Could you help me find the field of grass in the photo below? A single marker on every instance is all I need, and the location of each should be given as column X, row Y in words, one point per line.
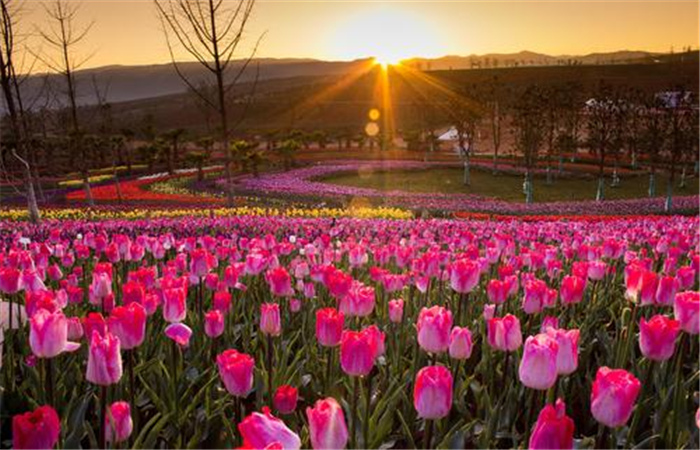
column 505, row 187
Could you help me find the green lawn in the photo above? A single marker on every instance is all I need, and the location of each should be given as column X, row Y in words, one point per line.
column 506, row 187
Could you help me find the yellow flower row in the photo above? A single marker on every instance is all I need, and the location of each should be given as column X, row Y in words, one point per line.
column 79, row 181
column 134, row 214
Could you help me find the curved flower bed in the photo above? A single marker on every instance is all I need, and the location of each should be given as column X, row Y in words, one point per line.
column 303, row 182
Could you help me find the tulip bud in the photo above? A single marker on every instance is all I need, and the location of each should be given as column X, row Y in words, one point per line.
column 118, row 423
column 214, row 323
column 174, row 304
column 571, row 290
column 460, row 343
column 48, row 334
column 567, row 355
column 36, row 429
column 538, row 367
column 554, row 429
column 613, row 395
column 357, row 353
column 128, row 323
column 285, row 399
column 396, row 310
column 270, row 319
column 280, row 282
column 504, row 333
column 327, row 427
column 432, row 393
column 236, row 371
column 329, row 326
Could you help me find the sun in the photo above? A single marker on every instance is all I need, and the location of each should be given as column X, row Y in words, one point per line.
column 387, row 33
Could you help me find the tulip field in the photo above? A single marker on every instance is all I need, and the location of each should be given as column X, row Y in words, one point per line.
column 272, row 331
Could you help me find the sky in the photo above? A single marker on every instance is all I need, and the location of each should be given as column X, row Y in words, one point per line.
column 128, row 32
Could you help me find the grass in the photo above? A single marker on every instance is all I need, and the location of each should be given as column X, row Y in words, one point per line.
column 502, row 186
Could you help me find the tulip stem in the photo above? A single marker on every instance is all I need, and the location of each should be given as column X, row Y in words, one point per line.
column 353, row 407
column 48, row 374
column 428, row 434
column 329, row 365
column 132, row 386
column 269, row 367
column 367, row 410
column 103, row 416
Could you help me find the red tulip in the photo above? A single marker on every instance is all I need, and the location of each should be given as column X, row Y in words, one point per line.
column 657, row 338
column 535, row 292
column 104, row 365
column 571, row 290
column 236, row 371
column 36, row 429
column 280, row 282
column 285, row 399
column 613, row 395
column 180, row 333
column 686, row 309
column 214, row 323
column 666, row 290
column 357, row 353
column 201, row 262
column 270, row 319
column 432, row 393
column 94, row 322
column 338, row 283
column 434, row 327
column 504, row 333
column 329, row 326
column 497, row 291
column 133, row 291
column 48, row 334
column 10, row 281
column 358, row 302
column 376, row 339
column 554, row 429
column 222, row 301
column 538, row 367
column 118, row 423
column 327, row 427
column 265, row 431
column 460, row 343
column 128, row 323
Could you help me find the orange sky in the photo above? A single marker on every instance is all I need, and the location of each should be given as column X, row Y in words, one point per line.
column 128, row 32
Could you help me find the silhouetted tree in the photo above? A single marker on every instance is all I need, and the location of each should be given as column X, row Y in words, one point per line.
column 528, row 126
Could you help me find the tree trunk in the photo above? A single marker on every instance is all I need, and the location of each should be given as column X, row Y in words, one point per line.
column 600, row 192
column 467, row 174
column 652, row 185
column 88, row 191
column 527, row 188
column 668, row 204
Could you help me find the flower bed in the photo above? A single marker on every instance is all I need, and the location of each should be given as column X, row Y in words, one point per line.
column 304, row 182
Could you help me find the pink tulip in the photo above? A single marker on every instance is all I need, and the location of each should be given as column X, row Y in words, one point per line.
column 357, row 353
column 432, row 393
column 285, row 399
column 686, row 310
column 571, row 290
column 270, row 319
column 434, row 325
column 376, row 339
column 222, row 301
column 179, row 333
column 329, row 326
column 567, row 355
column 128, row 323
column 211, row 281
column 534, row 299
column 201, row 262
column 504, row 333
column 40, row 428
column 549, row 322
column 358, row 302
column 686, row 277
column 214, row 323
column 338, row 283
column 295, row 305
column 75, row 328
column 280, row 282
column 538, row 367
column 554, row 429
column 666, row 290
column 489, row 311
column 613, row 395
column 265, row 431
column 48, row 334
column 460, row 343
column 174, row 304
column 236, row 371
column 464, row 275
column 133, row 291
column 657, row 338
column 327, row 427
column 596, row 270
column 100, row 288
column 104, row 365
column 118, row 423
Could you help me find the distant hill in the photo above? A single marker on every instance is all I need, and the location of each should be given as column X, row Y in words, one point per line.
column 128, row 83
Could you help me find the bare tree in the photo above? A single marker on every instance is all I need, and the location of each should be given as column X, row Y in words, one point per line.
column 13, row 101
column 682, row 117
column 496, row 117
column 211, row 33
column 528, row 126
column 62, row 36
column 466, row 115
